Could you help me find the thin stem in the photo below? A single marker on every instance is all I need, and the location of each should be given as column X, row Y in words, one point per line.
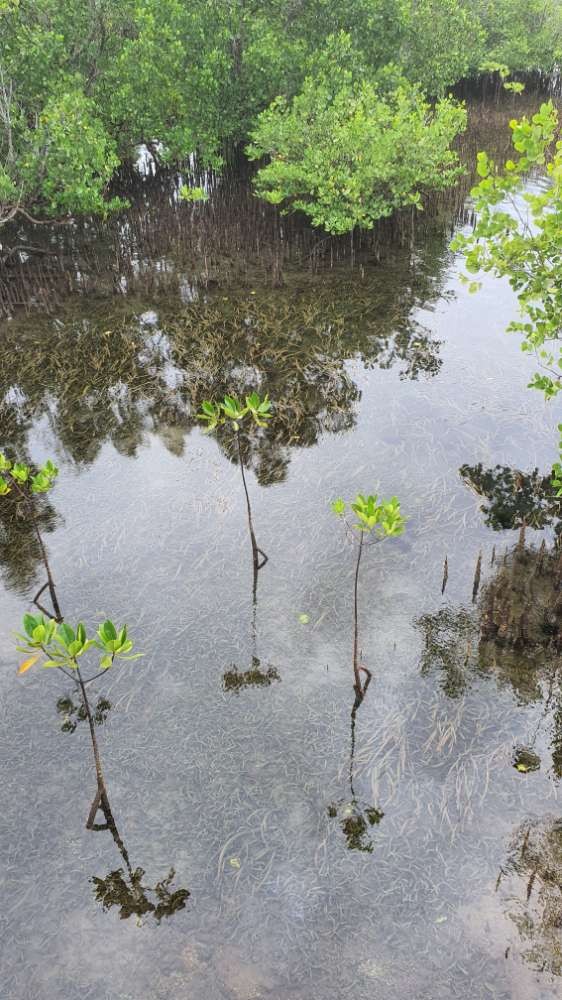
column 95, row 677
column 359, row 696
column 50, row 580
column 357, row 685
column 102, row 796
column 28, row 500
column 352, row 754
column 65, row 672
column 256, row 551
column 111, row 825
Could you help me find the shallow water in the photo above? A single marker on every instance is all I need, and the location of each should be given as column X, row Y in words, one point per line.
column 388, row 379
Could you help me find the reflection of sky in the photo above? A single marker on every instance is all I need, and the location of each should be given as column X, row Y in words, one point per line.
column 233, row 790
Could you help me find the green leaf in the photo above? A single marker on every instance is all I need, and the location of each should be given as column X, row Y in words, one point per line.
column 40, row 483
column 338, row 507
column 20, row 472
column 29, row 623
column 109, row 630
column 39, row 633
column 67, row 634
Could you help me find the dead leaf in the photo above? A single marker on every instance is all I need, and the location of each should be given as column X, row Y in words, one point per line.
column 25, row 666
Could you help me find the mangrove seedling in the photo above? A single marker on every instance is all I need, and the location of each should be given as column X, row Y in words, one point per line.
column 231, row 411
column 26, row 483
column 377, row 520
column 60, row 646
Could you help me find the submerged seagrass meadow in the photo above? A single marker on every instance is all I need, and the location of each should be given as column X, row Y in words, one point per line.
column 334, row 773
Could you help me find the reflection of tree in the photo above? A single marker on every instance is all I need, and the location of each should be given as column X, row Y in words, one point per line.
column 444, row 634
column 119, row 378
column 124, row 887
column 532, row 881
column 517, row 628
column 522, row 604
column 514, row 633
column 514, row 498
column 296, row 349
column 356, row 818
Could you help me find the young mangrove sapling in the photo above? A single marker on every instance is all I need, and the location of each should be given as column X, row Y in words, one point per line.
column 47, row 635
column 231, row 410
column 377, row 521
column 26, row 484
column 62, row 647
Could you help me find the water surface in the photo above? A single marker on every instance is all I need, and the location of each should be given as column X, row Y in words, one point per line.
column 386, row 378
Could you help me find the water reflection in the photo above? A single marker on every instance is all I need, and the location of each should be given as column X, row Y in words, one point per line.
column 448, row 636
column 256, row 675
column 118, row 378
column 21, row 557
column 71, row 713
column 514, row 631
column 514, row 498
column 120, row 887
column 530, row 882
column 123, row 888
column 356, row 818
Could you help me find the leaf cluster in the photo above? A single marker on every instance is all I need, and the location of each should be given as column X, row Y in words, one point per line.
column 63, row 645
column 383, row 518
column 231, row 409
column 348, row 155
column 518, row 235
column 83, row 85
column 24, row 478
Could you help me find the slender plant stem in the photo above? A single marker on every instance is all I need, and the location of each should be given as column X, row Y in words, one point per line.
column 352, row 753
column 256, row 551
column 51, row 583
column 111, row 825
column 89, row 680
column 356, row 667
column 359, row 696
column 28, row 500
column 102, row 796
